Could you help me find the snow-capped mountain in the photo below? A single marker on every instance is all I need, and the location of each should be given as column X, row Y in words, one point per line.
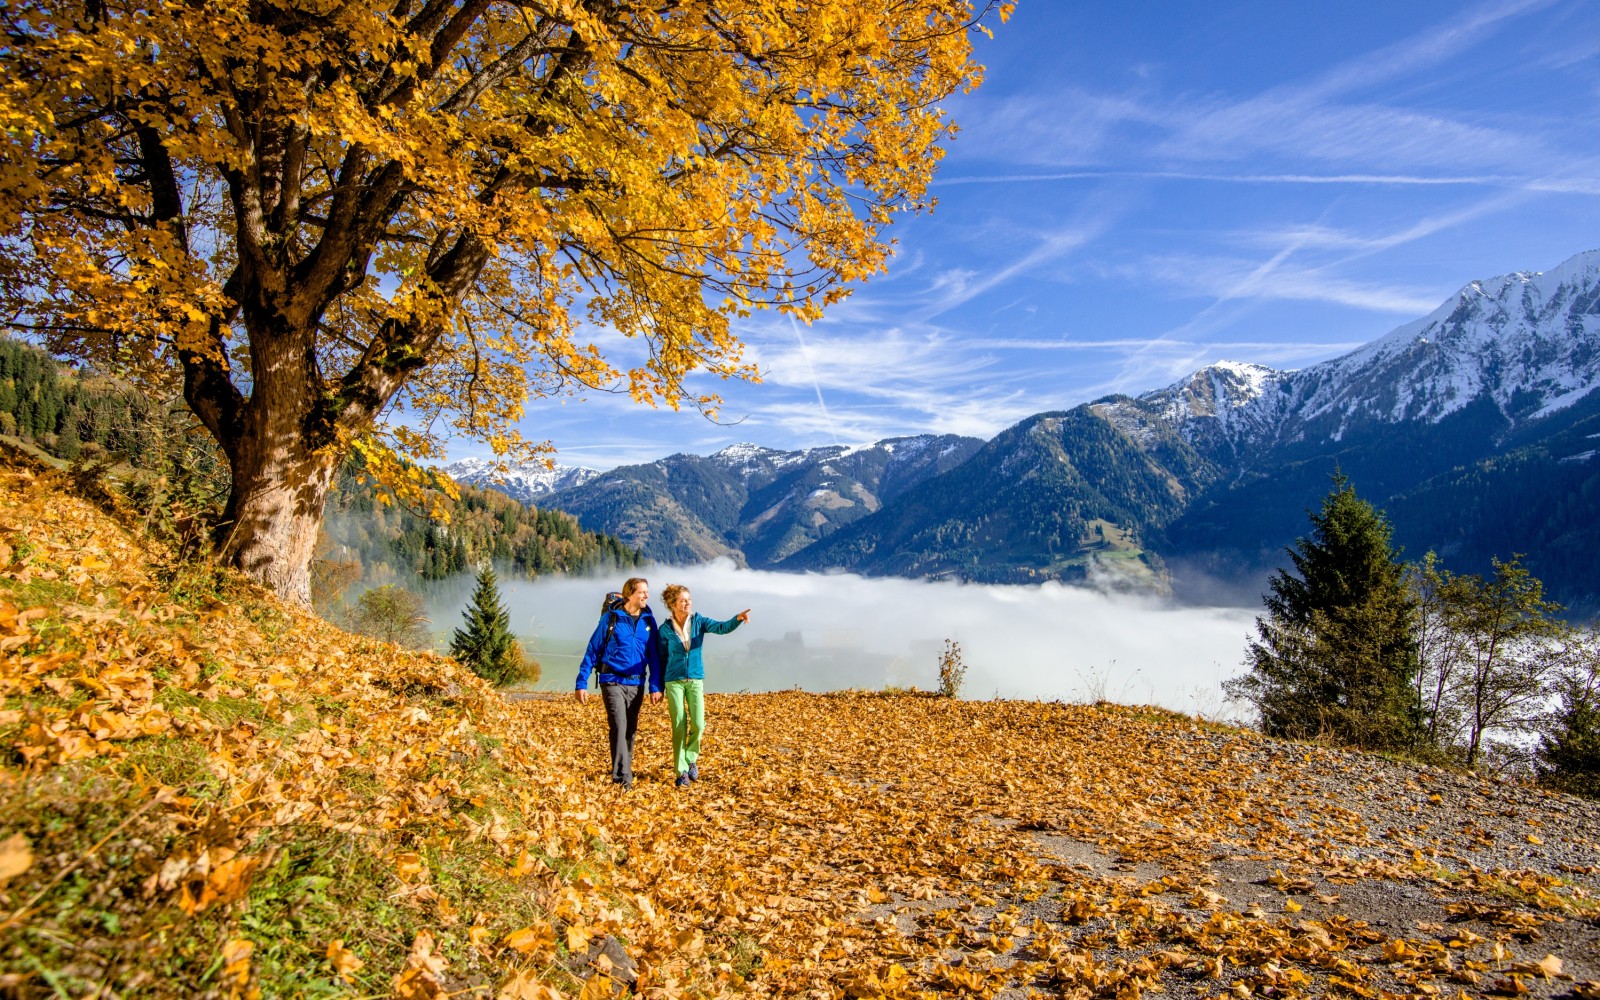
column 526, row 483
column 1215, row 408
column 1526, row 344
column 752, row 503
column 1529, row 342
column 1474, row 427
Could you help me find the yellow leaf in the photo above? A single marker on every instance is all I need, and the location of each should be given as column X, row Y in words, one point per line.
column 597, row 988
column 577, row 937
column 343, row 959
column 526, row 985
column 690, row 941
column 530, row 939
column 236, row 961
column 409, row 865
column 16, row 857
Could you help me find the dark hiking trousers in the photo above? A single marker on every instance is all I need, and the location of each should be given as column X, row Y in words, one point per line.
column 623, row 702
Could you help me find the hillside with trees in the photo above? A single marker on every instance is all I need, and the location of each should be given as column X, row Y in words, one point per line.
column 161, row 461
column 1046, row 499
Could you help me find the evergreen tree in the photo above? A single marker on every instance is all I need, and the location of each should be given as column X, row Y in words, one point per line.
column 1336, row 657
column 485, row 644
column 1569, row 750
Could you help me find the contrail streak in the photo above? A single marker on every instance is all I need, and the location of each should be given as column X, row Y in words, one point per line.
column 811, row 373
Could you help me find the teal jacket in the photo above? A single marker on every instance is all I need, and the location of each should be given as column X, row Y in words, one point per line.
column 685, row 664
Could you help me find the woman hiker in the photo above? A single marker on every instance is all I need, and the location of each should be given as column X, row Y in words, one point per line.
column 685, row 675
column 625, row 654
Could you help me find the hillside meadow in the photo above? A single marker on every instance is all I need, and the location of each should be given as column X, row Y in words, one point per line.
column 204, row 792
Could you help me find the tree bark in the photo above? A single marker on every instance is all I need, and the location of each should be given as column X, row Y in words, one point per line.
column 276, row 511
column 280, row 448
column 280, row 483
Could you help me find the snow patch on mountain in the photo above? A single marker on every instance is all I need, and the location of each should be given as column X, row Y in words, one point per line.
column 1529, row 342
column 522, row 482
column 746, row 460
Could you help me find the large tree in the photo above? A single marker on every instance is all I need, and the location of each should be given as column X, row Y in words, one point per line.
column 313, row 213
column 1335, row 654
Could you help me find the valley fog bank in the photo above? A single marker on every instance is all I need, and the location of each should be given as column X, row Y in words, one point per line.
column 825, row 632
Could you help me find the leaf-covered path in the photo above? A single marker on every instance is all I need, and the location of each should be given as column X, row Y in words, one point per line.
column 889, row 844
column 205, row 793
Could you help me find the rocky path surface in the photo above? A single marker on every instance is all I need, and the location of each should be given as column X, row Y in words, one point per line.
column 867, row 845
column 1452, row 885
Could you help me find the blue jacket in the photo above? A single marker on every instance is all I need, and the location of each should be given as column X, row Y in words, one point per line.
column 631, row 657
column 685, row 664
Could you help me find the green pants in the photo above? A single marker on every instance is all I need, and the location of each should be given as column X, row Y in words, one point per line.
column 686, row 707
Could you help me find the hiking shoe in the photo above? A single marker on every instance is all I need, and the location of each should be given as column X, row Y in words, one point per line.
column 683, row 780
column 694, row 772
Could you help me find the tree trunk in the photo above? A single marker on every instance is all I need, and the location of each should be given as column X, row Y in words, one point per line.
column 275, row 511
column 282, row 467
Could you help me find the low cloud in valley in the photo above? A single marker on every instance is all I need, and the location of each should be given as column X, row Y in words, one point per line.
column 822, row 632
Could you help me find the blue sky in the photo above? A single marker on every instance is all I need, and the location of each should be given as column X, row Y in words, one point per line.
column 1141, row 189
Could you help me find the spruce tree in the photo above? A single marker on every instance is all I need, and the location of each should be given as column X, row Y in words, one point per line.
column 485, row 644
column 1335, row 656
column 1568, row 757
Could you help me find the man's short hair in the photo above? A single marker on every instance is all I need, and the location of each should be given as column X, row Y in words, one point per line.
column 630, row 584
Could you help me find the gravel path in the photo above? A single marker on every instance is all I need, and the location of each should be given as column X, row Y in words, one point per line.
column 1437, row 884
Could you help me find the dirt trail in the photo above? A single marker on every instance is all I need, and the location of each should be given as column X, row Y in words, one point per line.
column 1449, row 901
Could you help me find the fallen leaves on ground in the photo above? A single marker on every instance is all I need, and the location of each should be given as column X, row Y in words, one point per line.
column 211, row 793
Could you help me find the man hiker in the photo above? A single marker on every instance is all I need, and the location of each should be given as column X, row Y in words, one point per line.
column 623, row 653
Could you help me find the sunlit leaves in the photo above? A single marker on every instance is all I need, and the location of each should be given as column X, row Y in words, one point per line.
column 926, row 844
column 16, row 857
column 476, row 191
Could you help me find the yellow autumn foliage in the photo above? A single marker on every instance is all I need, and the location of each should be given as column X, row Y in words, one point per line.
column 208, row 792
column 309, row 213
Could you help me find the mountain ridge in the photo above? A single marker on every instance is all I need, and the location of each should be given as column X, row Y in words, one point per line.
column 753, row 504
column 1213, row 471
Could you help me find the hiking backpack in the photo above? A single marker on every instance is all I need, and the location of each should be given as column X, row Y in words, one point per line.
column 611, row 603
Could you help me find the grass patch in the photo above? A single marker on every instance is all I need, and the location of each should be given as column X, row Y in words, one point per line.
column 744, row 955
column 303, row 901
column 36, row 593
column 220, row 711
column 171, row 763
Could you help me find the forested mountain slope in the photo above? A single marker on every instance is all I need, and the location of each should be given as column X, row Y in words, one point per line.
column 168, row 466
column 1050, row 498
column 755, row 505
